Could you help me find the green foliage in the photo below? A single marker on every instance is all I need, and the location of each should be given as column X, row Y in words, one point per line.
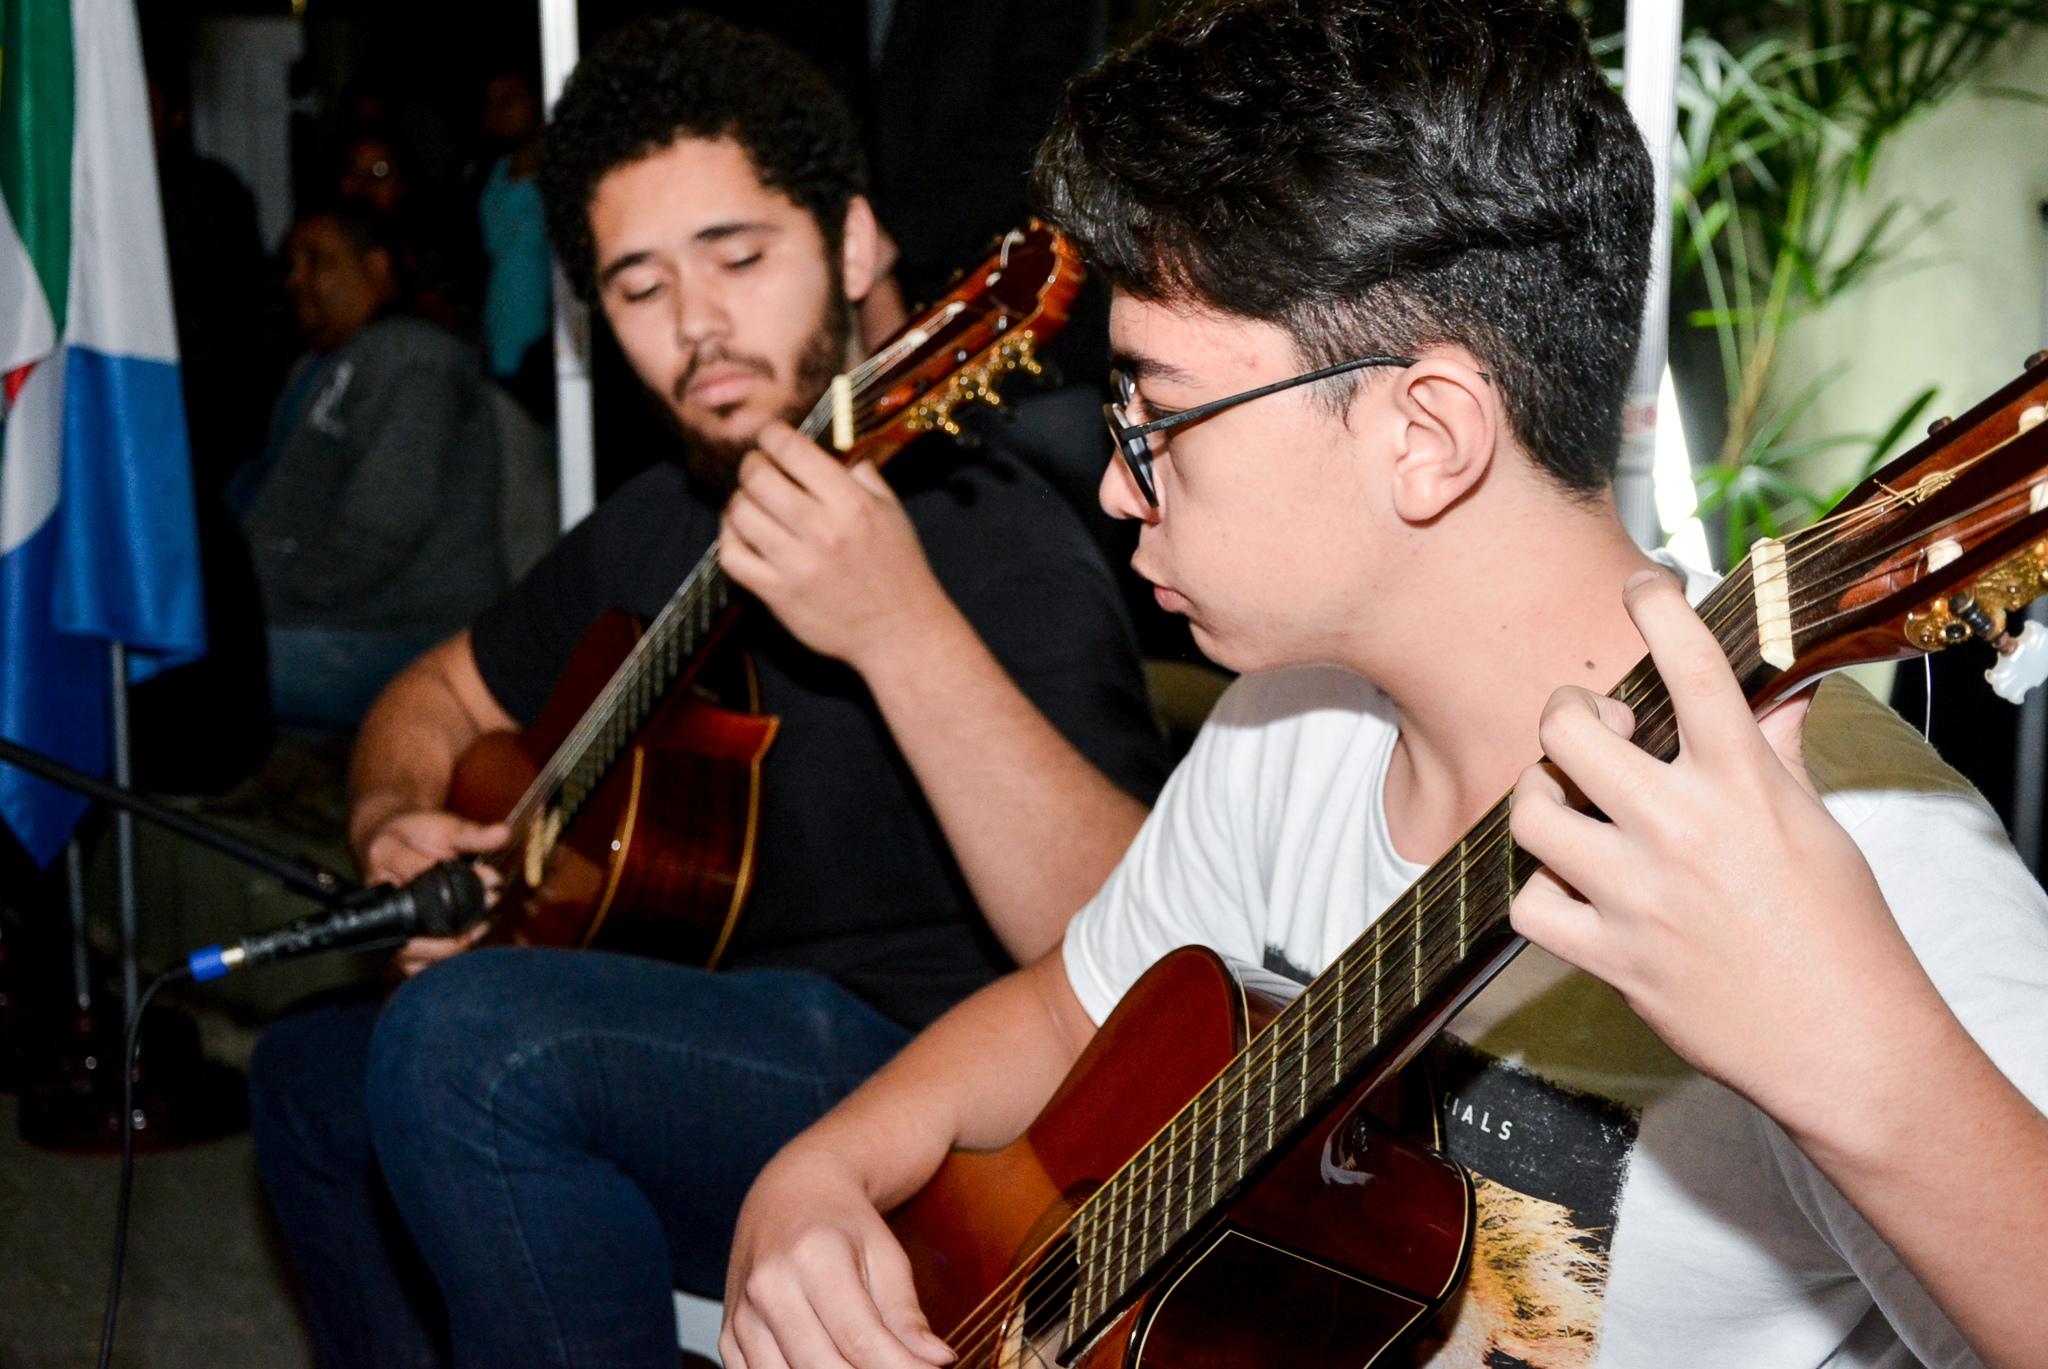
column 1777, row 137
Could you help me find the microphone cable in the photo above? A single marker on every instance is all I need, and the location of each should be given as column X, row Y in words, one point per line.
column 131, row 1047
column 121, row 1204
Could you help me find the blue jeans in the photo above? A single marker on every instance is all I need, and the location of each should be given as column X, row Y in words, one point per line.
column 567, row 1135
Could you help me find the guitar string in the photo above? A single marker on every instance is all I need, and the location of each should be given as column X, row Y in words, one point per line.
column 1263, row 1051
column 1311, row 1034
column 1319, row 1018
column 1217, row 1147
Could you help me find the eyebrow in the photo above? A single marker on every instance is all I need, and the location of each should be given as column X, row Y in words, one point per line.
column 1139, row 366
column 704, row 237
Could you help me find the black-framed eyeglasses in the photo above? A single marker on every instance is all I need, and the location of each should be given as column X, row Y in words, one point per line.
column 1133, row 440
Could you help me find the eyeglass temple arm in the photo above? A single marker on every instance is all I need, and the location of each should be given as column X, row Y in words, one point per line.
column 1217, row 405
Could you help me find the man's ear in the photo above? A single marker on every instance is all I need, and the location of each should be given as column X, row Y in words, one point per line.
column 1449, row 432
column 866, row 252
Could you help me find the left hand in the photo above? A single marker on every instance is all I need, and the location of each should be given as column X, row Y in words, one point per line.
column 1723, row 901
column 827, row 547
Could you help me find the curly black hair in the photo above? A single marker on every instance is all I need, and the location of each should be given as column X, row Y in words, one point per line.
column 1379, row 176
column 657, row 79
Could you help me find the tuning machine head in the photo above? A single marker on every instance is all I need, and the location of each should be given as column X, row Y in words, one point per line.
column 1981, row 610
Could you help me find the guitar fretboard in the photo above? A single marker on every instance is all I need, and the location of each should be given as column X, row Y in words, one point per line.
column 668, row 646
column 1361, row 1019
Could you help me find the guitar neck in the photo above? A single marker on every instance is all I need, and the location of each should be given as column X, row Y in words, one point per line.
column 1363, row 1018
column 671, row 646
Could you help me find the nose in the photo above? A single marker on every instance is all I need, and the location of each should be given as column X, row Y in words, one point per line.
column 701, row 315
column 1119, row 494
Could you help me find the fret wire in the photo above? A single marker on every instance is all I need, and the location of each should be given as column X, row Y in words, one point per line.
column 1462, row 910
column 1266, row 1072
column 1084, row 1268
column 1378, row 929
column 1117, row 1270
column 1301, row 1086
column 1415, row 929
column 1145, row 1223
column 1215, row 1130
column 1133, row 1261
column 1344, row 972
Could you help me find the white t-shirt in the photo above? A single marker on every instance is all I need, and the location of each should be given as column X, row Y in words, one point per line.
column 1634, row 1213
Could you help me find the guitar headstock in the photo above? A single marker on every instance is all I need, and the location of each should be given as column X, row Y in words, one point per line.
column 992, row 322
column 1937, row 548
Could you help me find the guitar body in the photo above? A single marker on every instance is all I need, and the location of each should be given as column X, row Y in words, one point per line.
column 659, row 859
column 1337, row 1256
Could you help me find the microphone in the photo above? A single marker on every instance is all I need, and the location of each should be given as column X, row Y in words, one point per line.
column 440, row 902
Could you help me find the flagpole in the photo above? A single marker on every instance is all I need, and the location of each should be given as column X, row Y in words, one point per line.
column 124, row 823
column 81, row 964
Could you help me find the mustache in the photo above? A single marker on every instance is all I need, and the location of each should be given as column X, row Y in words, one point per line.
column 713, row 355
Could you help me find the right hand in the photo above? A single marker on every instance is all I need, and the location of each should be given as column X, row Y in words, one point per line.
column 818, row 1281
column 406, row 846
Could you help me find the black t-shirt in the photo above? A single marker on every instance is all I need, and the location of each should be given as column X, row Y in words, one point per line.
column 854, row 879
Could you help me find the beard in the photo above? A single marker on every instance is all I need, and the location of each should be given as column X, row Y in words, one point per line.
column 715, row 460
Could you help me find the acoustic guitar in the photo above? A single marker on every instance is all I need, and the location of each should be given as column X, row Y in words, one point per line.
column 634, row 798
column 1196, row 1191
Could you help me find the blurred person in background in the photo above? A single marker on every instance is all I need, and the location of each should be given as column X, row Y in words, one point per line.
column 372, row 512
column 517, row 284
column 434, row 247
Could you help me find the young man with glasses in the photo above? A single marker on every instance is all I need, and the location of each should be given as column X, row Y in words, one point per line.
column 1378, row 273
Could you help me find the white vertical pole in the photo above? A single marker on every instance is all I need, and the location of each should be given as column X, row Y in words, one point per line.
column 575, row 438
column 2030, row 755
column 1650, row 85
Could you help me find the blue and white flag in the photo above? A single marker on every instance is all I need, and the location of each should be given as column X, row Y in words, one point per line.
column 98, row 541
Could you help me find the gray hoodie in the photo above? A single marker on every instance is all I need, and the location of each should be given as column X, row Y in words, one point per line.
column 380, row 510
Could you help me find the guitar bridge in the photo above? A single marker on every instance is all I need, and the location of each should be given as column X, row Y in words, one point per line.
column 540, row 847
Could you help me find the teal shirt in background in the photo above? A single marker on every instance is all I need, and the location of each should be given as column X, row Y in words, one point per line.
column 517, row 291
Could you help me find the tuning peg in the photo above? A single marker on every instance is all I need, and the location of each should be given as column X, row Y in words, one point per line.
column 2037, row 359
column 2022, row 667
column 1937, row 425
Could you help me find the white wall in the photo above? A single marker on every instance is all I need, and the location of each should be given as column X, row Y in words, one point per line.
column 1968, row 317
column 1971, row 307
column 241, row 108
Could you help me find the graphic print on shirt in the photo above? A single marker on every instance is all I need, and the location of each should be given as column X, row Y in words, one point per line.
column 1548, row 1165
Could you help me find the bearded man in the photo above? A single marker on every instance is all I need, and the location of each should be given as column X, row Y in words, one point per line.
column 965, row 751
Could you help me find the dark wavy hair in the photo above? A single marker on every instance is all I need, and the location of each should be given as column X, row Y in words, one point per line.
column 1379, row 176
column 689, row 75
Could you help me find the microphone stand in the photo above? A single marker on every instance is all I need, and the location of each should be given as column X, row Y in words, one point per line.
column 301, row 877
column 77, row 1106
